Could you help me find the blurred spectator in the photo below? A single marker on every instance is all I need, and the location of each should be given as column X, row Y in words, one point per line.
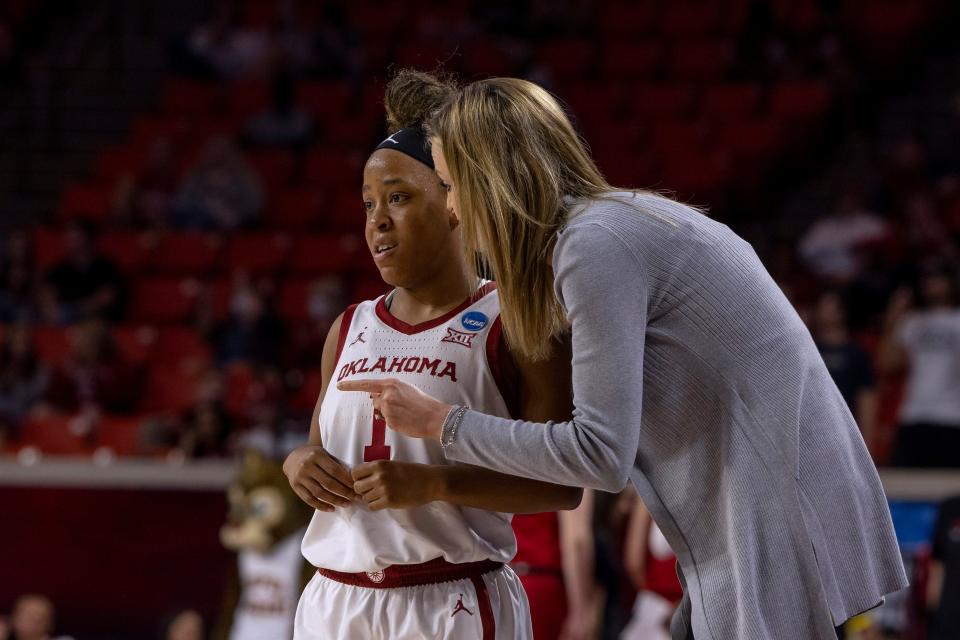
column 23, row 379
column 652, row 567
column 221, row 192
column 943, row 584
column 252, row 332
column 926, row 343
column 84, row 284
column 830, row 246
column 205, row 429
column 325, row 301
column 32, row 619
column 94, row 377
column 849, row 363
column 220, row 48
column 143, row 200
column 338, row 51
column 18, row 278
column 185, row 625
column 284, row 123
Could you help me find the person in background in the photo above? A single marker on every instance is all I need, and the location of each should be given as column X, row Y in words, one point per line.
column 830, row 246
column 84, row 284
column 23, row 379
column 925, row 342
column 284, row 123
column 18, row 278
column 943, row 585
column 32, row 619
column 185, row 625
column 848, row 362
column 251, row 332
column 220, row 192
column 94, row 377
column 142, row 200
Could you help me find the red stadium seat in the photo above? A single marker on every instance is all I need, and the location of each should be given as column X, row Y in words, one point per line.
column 298, row 209
column 120, row 434
column 55, row 435
column 484, row 58
column 423, row 54
column 293, row 299
column 114, row 162
column 801, row 100
column 249, row 97
column 334, row 170
column 696, row 177
column 731, row 100
column 661, row 101
column 274, row 166
column 681, row 19
column 673, row 136
column 752, row 138
column 327, row 254
column 593, row 101
column 327, row 99
column 170, row 389
column 631, row 60
column 262, row 253
column 189, row 97
column 181, row 346
column 49, row 247
column 129, row 250
column 186, row 254
column 627, row 19
column 136, row 343
column 700, row 60
column 569, row 59
column 306, row 396
column 83, row 201
column 163, row 301
column 52, row 343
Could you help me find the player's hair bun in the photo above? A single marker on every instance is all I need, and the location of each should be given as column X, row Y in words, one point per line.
column 412, row 96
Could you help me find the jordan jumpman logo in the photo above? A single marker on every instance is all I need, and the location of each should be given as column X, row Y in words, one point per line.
column 457, row 609
column 359, row 338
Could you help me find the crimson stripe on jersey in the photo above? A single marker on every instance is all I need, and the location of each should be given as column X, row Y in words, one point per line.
column 344, row 330
column 504, row 368
column 395, row 323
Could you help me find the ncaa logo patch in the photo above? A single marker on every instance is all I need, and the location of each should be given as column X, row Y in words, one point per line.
column 474, row 321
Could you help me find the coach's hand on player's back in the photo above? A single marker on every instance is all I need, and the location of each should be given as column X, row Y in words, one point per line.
column 322, row 481
column 405, row 408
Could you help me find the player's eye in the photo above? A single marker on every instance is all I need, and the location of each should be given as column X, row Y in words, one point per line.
column 396, row 198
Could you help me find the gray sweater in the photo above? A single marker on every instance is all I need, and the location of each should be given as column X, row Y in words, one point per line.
column 694, row 377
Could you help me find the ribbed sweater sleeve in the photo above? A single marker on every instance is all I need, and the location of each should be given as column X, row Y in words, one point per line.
column 603, row 288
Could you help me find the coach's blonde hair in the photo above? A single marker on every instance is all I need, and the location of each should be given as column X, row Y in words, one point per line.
column 514, row 156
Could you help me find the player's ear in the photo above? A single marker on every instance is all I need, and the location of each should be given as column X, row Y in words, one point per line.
column 453, row 219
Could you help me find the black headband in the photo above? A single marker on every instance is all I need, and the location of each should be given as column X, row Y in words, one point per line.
column 411, row 141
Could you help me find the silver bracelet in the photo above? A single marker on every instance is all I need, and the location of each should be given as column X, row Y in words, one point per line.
column 451, row 424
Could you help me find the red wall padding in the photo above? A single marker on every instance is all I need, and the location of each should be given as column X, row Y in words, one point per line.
column 114, row 562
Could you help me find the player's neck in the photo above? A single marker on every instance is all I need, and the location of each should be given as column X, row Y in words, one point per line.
column 431, row 300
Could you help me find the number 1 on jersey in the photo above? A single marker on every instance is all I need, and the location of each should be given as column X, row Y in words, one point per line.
column 377, row 449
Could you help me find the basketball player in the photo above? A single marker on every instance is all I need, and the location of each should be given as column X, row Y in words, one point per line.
column 406, row 545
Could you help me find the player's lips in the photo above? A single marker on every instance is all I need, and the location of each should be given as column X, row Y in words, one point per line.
column 382, row 250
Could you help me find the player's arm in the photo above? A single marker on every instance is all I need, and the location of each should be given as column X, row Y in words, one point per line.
column 577, row 565
column 315, row 476
column 545, row 394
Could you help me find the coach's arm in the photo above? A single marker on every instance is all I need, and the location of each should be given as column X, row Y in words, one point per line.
column 545, row 394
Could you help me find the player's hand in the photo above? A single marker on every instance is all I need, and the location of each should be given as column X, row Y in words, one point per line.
column 405, row 408
column 387, row 484
column 319, row 479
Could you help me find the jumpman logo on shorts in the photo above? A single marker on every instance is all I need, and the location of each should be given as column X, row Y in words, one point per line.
column 457, row 609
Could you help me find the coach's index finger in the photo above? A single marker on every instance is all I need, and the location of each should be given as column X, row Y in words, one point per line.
column 366, row 385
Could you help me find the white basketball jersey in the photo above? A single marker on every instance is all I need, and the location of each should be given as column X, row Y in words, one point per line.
column 452, row 358
column 270, row 586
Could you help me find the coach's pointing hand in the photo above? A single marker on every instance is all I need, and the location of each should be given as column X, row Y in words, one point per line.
column 319, row 479
column 405, row 408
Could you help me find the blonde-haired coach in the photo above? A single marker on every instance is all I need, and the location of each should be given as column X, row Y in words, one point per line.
column 693, row 377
